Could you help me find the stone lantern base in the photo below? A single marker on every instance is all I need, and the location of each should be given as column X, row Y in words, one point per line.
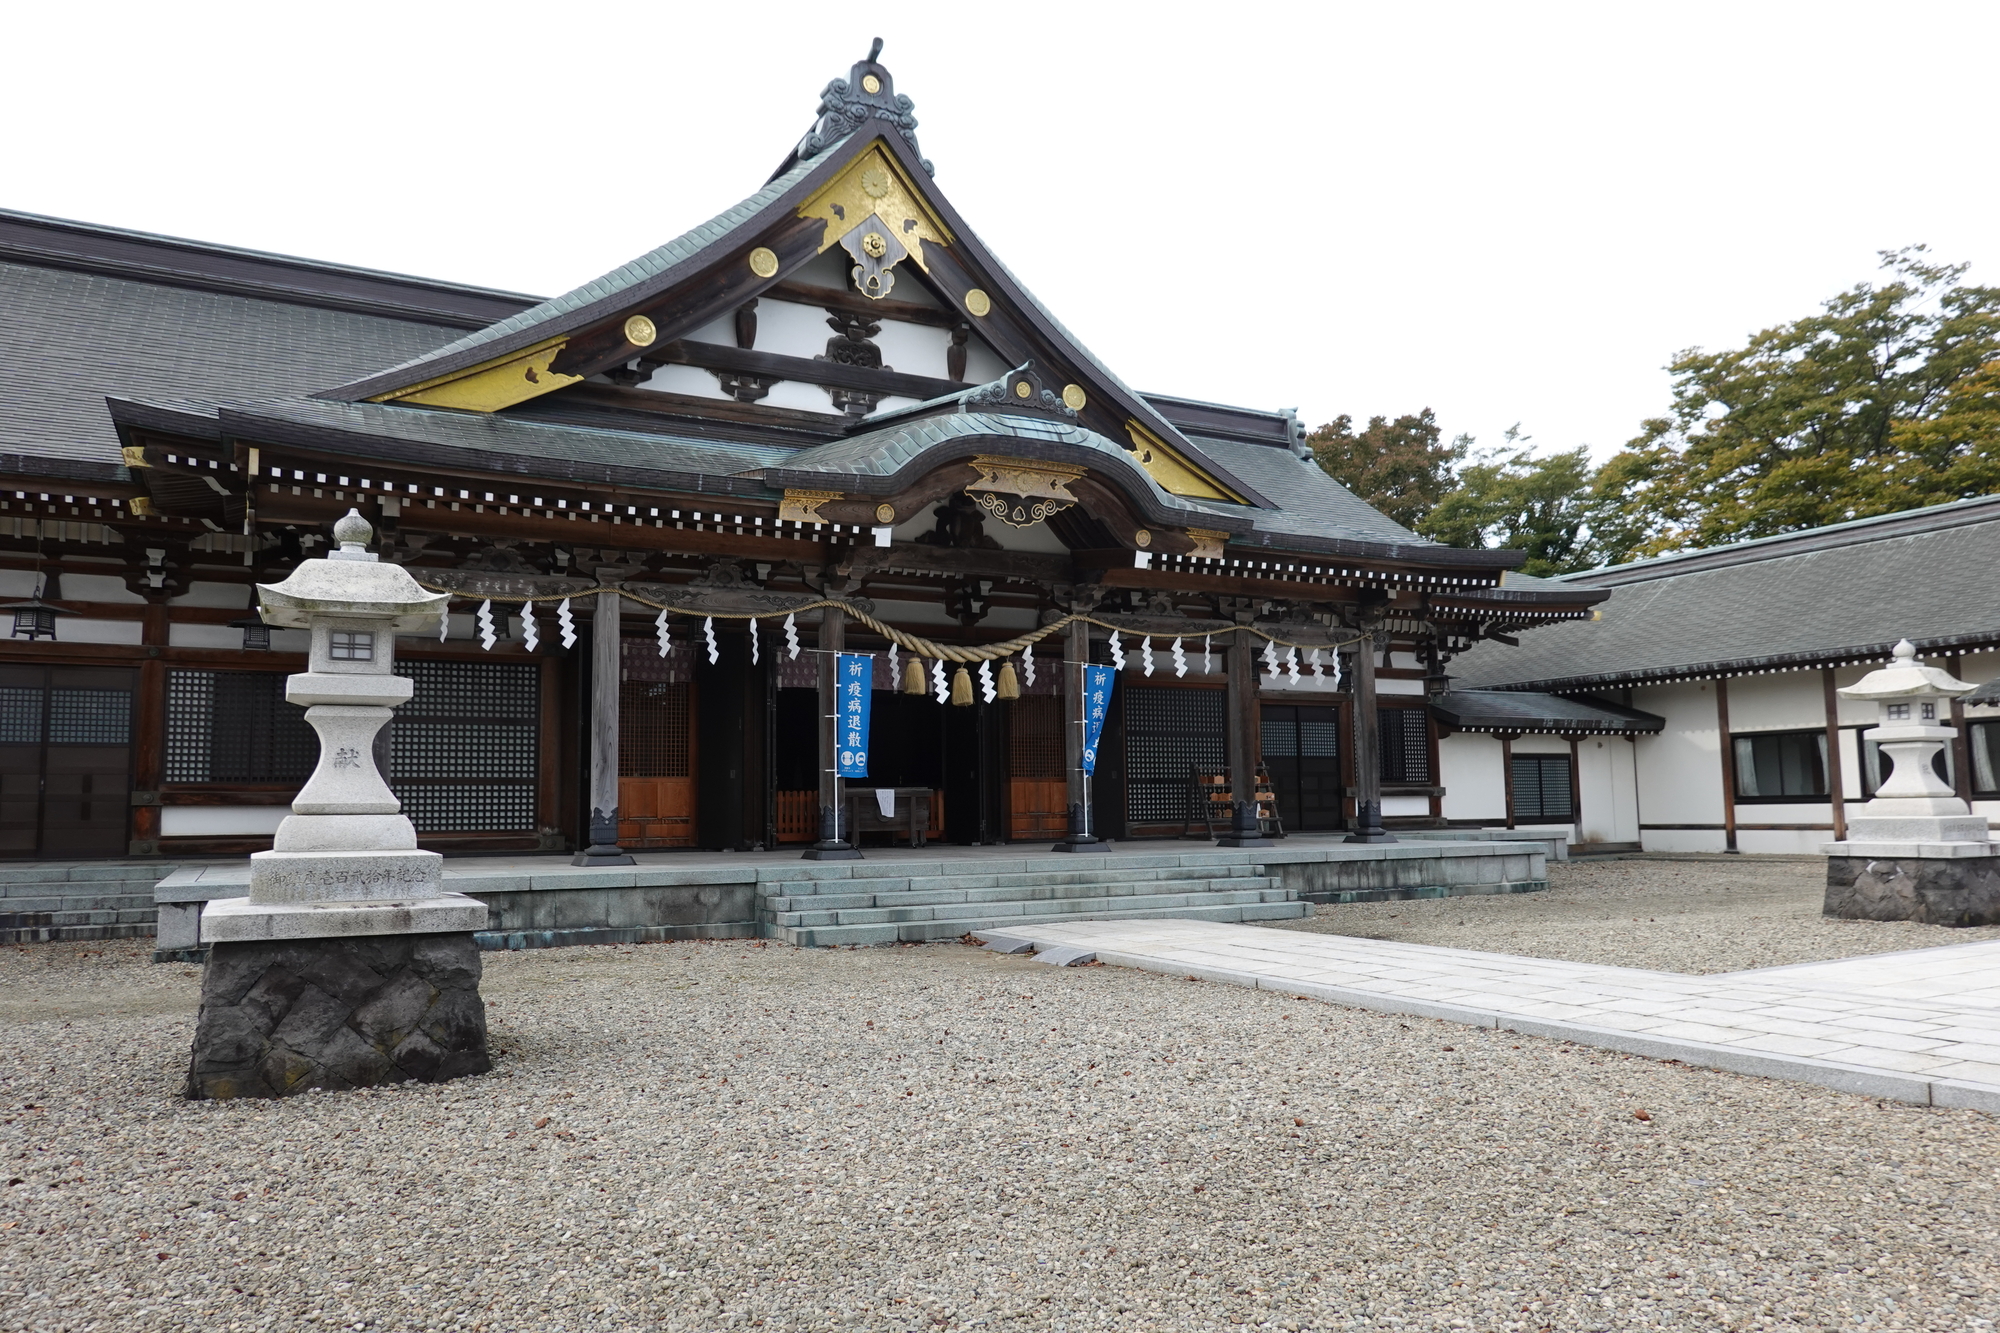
column 1957, row 888
column 284, row 1016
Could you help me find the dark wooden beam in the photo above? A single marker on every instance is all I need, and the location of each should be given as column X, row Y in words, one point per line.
column 830, row 298
column 806, row 370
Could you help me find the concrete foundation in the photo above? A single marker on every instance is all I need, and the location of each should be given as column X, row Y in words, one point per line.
column 1938, row 891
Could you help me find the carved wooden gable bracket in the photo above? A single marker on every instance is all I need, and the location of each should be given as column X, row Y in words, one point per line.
column 1022, row 492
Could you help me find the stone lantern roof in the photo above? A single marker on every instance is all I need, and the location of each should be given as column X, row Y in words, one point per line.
column 350, row 582
column 1906, row 678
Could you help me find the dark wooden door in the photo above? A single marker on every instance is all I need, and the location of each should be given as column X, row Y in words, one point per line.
column 65, row 760
column 1301, row 748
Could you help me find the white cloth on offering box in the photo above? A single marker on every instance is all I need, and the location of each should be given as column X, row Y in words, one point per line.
column 885, row 801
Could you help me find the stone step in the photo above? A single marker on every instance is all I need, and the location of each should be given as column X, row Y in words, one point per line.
column 1008, row 893
column 798, row 888
column 950, row 928
column 77, row 902
column 26, row 934
column 1046, row 908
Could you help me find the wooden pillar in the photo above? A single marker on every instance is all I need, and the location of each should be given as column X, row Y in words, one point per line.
column 1367, row 748
column 1076, row 652
column 1961, row 749
column 834, row 843
column 1576, row 786
column 1834, row 781
column 606, row 671
column 1240, row 734
column 1728, row 764
column 149, row 734
column 1507, row 772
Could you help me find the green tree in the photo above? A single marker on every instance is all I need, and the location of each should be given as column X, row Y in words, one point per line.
column 1884, row 400
column 1512, row 499
column 1402, row 467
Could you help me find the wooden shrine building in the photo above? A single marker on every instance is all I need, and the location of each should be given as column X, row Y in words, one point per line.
column 827, row 418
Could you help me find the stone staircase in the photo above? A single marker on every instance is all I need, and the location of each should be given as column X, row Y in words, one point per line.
column 95, row 900
column 948, row 901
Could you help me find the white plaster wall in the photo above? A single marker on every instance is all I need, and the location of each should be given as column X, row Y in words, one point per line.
column 76, row 629
column 1785, row 701
column 1473, row 778
column 1400, row 806
column 225, row 596
column 94, row 588
column 218, row 821
column 1404, row 688
column 1541, row 745
column 1680, row 770
column 205, row 636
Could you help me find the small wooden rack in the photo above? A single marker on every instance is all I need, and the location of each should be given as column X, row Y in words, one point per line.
column 1210, row 801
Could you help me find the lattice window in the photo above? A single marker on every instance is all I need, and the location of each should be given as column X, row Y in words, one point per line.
column 653, row 730
column 1405, row 739
column 263, row 738
column 90, row 717
column 463, row 752
column 1169, row 734
column 1035, row 738
column 1541, row 787
column 21, row 716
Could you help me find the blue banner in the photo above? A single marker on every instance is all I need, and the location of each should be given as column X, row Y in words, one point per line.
column 1096, row 703
column 854, row 691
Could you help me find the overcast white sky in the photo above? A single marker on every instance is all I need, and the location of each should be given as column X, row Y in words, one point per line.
column 1506, row 212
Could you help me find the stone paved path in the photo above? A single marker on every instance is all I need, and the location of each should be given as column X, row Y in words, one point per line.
column 1922, row 1026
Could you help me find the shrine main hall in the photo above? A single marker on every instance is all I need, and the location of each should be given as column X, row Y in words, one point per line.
column 827, row 420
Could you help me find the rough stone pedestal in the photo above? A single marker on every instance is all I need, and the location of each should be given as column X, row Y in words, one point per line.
column 283, row 1016
column 1939, row 891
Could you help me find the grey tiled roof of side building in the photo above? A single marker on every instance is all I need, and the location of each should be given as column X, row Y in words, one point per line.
column 1529, row 710
column 551, row 316
column 1932, row 587
column 72, row 339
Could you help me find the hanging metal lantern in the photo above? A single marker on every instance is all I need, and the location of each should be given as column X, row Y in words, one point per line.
column 256, row 634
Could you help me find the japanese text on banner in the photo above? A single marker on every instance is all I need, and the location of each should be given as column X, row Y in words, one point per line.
column 855, row 677
column 1096, row 703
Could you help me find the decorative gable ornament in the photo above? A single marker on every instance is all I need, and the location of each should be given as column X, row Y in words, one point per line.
column 1022, row 492
column 845, row 105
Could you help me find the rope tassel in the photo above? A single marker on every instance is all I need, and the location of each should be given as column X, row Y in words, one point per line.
column 961, row 688
column 1009, row 687
column 913, row 677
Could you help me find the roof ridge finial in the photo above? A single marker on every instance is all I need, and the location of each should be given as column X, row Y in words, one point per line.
column 846, row 105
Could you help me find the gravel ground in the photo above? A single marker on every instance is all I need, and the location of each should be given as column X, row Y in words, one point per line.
column 1697, row 915
column 724, row 1136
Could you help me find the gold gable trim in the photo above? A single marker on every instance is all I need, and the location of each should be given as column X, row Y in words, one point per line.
column 514, row 378
column 874, row 183
column 1170, row 468
column 803, row 506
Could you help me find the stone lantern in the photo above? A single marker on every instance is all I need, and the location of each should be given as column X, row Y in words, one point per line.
column 347, row 964
column 1916, row 852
